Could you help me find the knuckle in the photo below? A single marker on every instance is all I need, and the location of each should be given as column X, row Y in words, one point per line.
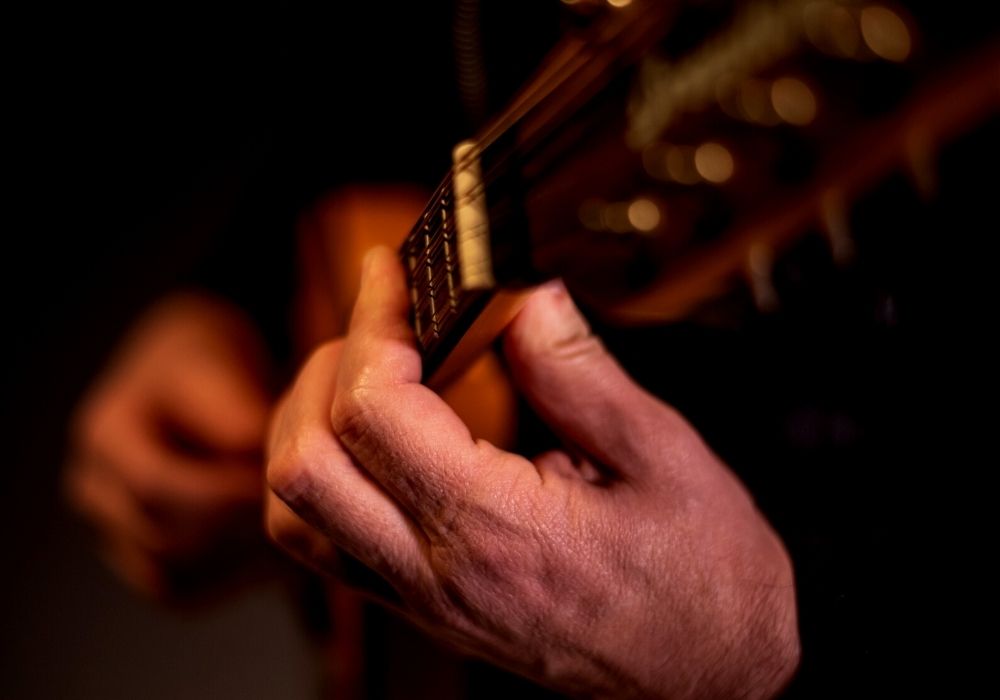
column 291, row 466
column 282, row 532
column 351, row 413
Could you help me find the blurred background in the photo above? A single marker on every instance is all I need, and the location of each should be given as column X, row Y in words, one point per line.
column 132, row 133
column 135, row 139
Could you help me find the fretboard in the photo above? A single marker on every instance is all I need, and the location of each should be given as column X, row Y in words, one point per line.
column 442, row 309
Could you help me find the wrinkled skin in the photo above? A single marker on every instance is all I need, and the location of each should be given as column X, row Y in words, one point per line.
column 166, row 458
column 630, row 564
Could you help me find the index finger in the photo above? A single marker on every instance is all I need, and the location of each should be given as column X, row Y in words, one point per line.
column 403, row 433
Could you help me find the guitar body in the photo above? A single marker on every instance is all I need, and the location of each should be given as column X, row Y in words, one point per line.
column 332, row 239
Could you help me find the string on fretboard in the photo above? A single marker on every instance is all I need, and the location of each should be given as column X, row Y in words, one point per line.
column 441, row 308
column 430, row 256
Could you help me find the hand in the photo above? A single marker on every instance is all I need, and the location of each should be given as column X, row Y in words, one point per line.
column 630, row 564
column 167, row 446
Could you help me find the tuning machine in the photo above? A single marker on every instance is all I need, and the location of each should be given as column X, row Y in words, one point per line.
column 760, row 276
column 836, row 228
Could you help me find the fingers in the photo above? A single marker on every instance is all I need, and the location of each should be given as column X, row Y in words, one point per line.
column 120, row 448
column 301, row 541
column 405, row 435
column 166, row 482
column 168, row 445
column 96, row 494
column 579, row 389
column 309, row 470
column 146, row 549
column 154, row 517
column 213, row 404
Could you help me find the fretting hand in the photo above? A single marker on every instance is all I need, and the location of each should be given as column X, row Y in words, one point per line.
column 632, row 563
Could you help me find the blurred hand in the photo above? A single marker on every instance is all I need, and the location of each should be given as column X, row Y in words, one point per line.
column 167, row 446
column 630, row 564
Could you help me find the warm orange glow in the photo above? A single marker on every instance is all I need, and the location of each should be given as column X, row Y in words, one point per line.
column 714, row 162
column 644, row 215
column 640, row 215
column 680, row 165
column 832, row 28
column 885, row 33
column 755, row 102
column 793, row 101
column 615, row 218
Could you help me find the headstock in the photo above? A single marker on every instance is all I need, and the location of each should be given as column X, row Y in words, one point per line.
column 668, row 151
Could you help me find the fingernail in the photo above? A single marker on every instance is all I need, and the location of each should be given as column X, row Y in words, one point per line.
column 564, row 320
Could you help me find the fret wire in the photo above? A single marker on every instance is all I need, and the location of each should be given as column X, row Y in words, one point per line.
column 438, row 281
column 431, row 252
column 431, row 286
column 432, row 205
column 430, row 255
column 434, row 284
column 433, row 257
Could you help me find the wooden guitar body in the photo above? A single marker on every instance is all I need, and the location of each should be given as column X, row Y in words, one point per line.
column 332, row 239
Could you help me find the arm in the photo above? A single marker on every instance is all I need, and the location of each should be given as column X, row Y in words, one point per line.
column 632, row 563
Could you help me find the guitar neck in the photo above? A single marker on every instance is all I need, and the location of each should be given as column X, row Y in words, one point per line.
column 654, row 177
column 457, row 308
column 468, row 263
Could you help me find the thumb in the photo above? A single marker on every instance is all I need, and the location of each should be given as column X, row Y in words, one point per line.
column 574, row 384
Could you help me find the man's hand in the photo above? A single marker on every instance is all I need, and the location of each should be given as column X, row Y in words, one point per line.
column 167, row 456
column 632, row 563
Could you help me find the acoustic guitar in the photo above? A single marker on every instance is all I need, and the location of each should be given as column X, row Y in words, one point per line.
column 664, row 154
column 666, row 151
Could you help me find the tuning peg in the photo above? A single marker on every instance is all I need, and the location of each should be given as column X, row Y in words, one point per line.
column 886, row 33
column 640, row 215
column 835, row 226
column 760, row 274
column 921, row 163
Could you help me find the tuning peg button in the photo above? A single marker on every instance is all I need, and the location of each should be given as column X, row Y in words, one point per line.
column 760, row 273
column 836, row 228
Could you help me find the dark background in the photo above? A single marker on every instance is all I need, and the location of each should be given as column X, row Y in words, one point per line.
column 133, row 138
column 152, row 148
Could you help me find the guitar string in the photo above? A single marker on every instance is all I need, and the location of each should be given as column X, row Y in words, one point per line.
column 541, row 88
column 525, row 105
